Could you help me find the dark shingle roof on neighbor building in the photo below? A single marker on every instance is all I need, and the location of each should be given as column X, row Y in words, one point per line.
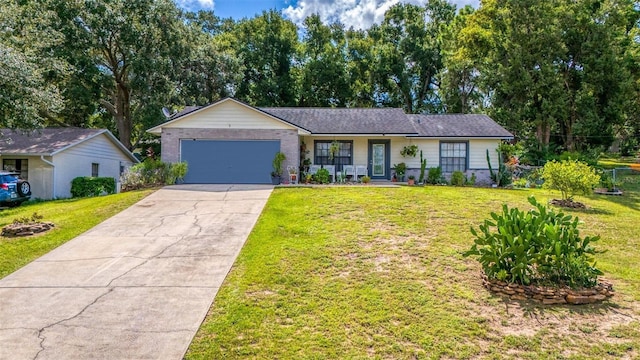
column 457, row 125
column 49, row 141
column 346, row 120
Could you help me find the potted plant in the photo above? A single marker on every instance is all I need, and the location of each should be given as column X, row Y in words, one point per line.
column 334, row 149
column 293, row 175
column 412, row 180
column 276, row 174
column 409, row 151
column 400, row 170
column 305, row 164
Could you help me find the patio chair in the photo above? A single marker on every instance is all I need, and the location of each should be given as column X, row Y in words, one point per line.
column 349, row 171
column 332, row 171
column 361, row 170
column 313, row 169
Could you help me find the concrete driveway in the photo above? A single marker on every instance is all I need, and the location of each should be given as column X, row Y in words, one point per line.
column 138, row 285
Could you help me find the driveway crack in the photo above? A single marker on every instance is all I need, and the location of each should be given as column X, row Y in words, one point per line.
column 146, row 260
column 41, row 331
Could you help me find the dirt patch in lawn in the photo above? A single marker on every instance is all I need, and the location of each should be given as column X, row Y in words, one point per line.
column 573, row 328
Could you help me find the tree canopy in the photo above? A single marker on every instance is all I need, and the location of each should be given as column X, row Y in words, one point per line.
column 559, row 74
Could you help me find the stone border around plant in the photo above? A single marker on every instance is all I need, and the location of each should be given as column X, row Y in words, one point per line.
column 550, row 295
column 16, row 230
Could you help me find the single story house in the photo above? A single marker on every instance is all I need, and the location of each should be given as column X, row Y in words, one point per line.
column 49, row 159
column 232, row 142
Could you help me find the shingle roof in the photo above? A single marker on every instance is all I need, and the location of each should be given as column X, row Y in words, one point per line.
column 369, row 121
column 185, row 111
column 346, row 120
column 458, row 125
column 49, row 141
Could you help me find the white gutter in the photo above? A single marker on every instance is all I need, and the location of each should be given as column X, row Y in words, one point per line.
column 53, row 195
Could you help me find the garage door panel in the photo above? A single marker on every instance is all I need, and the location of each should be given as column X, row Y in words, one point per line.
column 229, row 161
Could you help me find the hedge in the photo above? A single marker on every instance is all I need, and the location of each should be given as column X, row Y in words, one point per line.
column 92, row 186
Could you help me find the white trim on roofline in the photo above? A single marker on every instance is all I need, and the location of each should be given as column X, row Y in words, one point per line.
column 462, row 137
column 360, row 135
column 157, row 130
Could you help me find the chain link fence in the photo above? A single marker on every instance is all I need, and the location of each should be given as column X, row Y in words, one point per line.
column 622, row 178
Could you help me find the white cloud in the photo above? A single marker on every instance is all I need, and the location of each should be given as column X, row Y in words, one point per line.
column 195, row 4
column 360, row 14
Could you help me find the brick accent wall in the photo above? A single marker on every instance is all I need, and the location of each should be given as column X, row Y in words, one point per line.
column 288, row 140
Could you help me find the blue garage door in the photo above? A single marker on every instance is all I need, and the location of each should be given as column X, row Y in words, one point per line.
column 229, row 161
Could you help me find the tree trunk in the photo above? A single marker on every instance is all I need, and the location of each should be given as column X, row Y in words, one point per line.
column 543, row 133
column 123, row 115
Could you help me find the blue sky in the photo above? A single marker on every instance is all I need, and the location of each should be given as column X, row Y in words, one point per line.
column 236, row 9
column 357, row 13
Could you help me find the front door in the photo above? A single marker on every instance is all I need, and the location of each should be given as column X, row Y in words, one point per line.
column 379, row 153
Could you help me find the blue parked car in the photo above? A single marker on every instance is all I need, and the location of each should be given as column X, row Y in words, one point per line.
column 13, row 190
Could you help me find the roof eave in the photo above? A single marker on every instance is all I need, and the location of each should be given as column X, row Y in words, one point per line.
column 462, row 137
column 362, row 134
column 24, row 154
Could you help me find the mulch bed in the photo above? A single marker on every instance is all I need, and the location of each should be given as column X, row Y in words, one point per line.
column 17, row 230
column 568, row 204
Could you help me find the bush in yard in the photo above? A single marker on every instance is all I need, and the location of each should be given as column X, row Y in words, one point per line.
column 570, row 177
column 322, row 176
column 535, row 247
column 435, row 175
column 92, row 186
column 470, row 181
column 457, row 178
column 177, row 172
column 152, row 173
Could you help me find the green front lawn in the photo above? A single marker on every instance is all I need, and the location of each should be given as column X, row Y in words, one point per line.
column 368, row 272
column 72, row 217
column 611, row 163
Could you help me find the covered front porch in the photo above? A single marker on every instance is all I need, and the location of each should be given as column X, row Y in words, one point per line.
column 349, row 157
column 357, row 156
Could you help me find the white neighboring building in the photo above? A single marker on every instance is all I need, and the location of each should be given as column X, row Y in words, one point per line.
column 51, row 158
